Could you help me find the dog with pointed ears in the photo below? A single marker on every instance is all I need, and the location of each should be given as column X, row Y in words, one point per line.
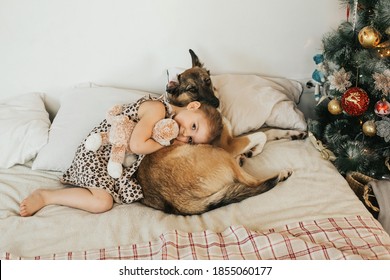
column 193, row 179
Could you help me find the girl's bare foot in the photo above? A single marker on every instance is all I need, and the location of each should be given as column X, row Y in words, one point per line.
column 31, row 204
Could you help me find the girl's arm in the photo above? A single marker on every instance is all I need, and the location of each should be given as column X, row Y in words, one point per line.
column 149, row 113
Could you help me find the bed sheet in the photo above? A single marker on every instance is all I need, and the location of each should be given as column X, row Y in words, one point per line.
column 315, row 192
column 348, row 238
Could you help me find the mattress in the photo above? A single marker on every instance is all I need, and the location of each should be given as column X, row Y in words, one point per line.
column 315, row 206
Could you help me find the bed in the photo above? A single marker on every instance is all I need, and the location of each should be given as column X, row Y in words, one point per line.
column 312, row 215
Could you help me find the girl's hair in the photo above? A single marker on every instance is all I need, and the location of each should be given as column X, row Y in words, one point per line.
column 214, row 119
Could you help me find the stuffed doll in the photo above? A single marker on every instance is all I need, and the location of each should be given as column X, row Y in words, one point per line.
column 318, row 75
column 119, row 135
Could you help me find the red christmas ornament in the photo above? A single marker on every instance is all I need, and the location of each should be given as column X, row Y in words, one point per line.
column 382, row 108
column 355, row 101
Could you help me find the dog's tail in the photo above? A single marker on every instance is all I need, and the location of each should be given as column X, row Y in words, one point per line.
column 237, row 192
column 230, row 193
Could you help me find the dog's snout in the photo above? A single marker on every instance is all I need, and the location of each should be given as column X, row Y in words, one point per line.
column 214, row 102
column 172, row 84
column 171, row 87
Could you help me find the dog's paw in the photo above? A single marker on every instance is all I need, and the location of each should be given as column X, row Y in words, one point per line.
column 257, row 142
column 298, row 135
column 248, row 154
column 241, row 159
column 285, row 174
column 291, row 134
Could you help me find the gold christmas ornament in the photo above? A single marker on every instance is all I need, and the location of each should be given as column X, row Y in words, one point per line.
column 384, row 49
column 369, row 128
column 369, row 37
column 334, row 107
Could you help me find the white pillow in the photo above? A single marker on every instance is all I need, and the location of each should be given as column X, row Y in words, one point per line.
column 251, row 101
column 24, row 128
column 80, row 111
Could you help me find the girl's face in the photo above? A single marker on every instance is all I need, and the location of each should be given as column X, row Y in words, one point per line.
column 193, row 126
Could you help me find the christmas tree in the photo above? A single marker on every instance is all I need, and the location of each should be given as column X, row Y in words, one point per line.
column 353, row 78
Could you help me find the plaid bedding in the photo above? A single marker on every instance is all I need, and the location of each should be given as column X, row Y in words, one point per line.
column 333, row 238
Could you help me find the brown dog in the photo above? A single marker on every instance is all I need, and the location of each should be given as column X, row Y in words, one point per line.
column 192, row 179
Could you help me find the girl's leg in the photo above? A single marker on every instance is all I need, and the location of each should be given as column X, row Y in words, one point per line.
column 91, row 200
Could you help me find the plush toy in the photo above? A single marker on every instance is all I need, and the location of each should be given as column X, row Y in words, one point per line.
column 318, row 75
column 119, row 135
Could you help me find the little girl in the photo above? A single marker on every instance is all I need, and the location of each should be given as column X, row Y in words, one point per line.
column 96, row 190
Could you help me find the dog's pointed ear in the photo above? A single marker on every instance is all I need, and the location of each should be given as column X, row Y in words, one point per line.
column 195, row 59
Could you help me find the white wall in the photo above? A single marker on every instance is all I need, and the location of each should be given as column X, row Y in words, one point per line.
column 49, row 45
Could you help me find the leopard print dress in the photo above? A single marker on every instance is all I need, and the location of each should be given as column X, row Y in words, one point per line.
column 89, row 169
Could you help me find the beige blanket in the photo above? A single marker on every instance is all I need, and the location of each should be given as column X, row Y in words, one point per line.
column 314, row 191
